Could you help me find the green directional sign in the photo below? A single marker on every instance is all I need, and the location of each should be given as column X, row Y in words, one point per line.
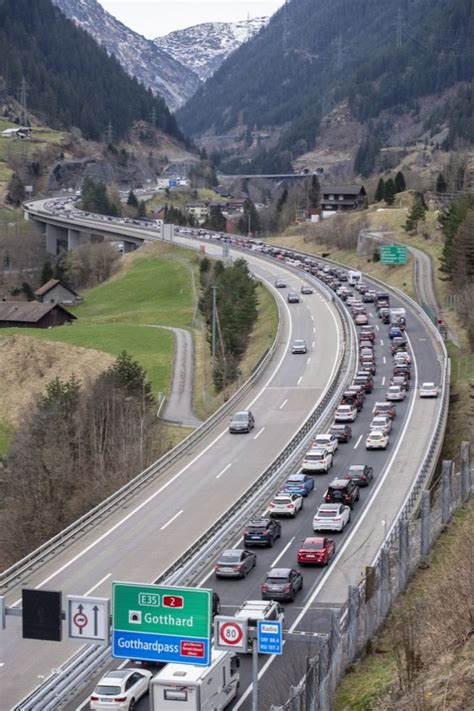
column 161, row 623
column 393, row 254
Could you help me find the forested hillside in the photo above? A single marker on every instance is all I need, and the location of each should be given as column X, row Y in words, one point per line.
column 378, row 56
column 71, row 81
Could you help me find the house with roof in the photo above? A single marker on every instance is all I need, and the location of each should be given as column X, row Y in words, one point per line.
column 199, row 210
column 56, row 292
column 32, row 314
column 336, row 198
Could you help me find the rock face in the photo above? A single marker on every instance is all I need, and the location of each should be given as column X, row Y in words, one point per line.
column 140, row 57
column 202, row 48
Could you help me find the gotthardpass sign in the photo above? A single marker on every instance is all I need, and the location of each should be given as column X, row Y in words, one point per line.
column 161, row 623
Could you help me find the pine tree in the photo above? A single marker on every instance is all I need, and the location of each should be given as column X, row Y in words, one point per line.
column 441, row 185
column 416, row 214
column 400, row 184
column 314, row 192
column 141, row 209
column 132, row 199
column 380, row 192
column 46, row 272
column 389, row 192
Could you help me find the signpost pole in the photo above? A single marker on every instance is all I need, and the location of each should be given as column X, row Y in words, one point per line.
column 254, row 675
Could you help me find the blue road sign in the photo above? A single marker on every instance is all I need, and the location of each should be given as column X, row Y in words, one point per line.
column 269, row 637
column 160, row 647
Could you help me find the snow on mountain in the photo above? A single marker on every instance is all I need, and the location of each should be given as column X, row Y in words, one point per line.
column 140, row 57
column 202, row 48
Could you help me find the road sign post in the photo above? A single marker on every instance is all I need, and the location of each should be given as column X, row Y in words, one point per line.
column 88, row 619
column 161, row 623
column 269, row 637
column 230, row 634
column 393, row 254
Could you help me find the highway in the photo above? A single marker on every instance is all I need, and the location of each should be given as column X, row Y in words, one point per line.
column 140, row 541
column 192, row 496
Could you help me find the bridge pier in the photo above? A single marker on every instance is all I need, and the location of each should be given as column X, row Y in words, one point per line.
column 56, row 238
column 73, row 239
column 128, row 247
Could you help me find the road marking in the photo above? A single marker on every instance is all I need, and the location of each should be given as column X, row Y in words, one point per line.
column 314, row 330
column 384, row 360
column 358, row 524
column 377, row 327
column 259, row 433
column 283, row 404
column 358, row 442
column 383, row 380
column 381, row 341
column 299, row 380
column 272, row 565
column 371, row 314
column 97, row 584
column 312, row 317
column 224, row 470
column 422, row 339
column 308, row 361
column 313, row 344
column 173, row 518
column 2, row 664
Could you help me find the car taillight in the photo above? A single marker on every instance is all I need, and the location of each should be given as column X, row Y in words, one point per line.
column 287, row 587
column 94, row 698
column 327, row 497
column 236, row 568
column 288, row 506
column 120, row 699
column 264, row 587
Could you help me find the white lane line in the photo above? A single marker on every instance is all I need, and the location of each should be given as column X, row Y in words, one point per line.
column 283, row 404
column 377, row 327
column 173, row 518
column 383, row 380
column 384, row 360
column 313, row 344
column 224, row 470
column 299, row 380
column 371, row 314
column 381, row 341
column 312, row 317
column 346, row 543
column 314, row 330
column 259, row 433
column 308, row 361
column 282, row 552
column 358, row 442
column 2, row 664
column 97, row 584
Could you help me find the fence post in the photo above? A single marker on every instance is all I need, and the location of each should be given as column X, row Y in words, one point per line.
column 465, row 471
column 445, row 491
column 352, row 622
column 425, row 523
column 403, row 555
column 384, row 583
column 311, row 686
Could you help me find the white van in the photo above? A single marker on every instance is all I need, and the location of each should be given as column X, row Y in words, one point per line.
column 354, row 277
column 185, row 687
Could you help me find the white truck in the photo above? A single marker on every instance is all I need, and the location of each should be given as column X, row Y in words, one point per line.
column 254, row 610
column 185, row 687
column 398, row 317
column 354, row 277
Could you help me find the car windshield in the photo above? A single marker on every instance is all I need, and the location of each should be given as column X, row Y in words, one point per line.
column 276, row 581
column 428, row 385
column 298, row 343
column 356, row 468
column 282, row 500
column 240, row 417
column 297, row 479
column 375, row 434
column 317, row 545
column 314, row 457
column 230, row 557
column 102, row 690
column 258, row 528
column 326, row 514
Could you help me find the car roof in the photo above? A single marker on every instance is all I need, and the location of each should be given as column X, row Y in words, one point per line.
column 338, row 483
column 242, row 412
column 329, row 507
column 313, row 539
column 279, row 572
column 357, row 467
column 262, row 521
column 297, row 477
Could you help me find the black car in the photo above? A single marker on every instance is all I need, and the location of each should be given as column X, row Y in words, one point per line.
column 360, row 474
column 342, row 433
column 262, row 532
column 242, row 422
column 342, row 491
column 216, row 604
column 366, row 380
column 282, row 584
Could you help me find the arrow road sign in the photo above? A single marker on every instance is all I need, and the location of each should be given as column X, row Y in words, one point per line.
column 88, row 619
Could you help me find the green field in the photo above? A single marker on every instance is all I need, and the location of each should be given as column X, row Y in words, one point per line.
column 154, row 290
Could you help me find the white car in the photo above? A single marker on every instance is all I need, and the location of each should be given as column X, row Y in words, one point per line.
column 331, row 517
column 345, row 413
column 120, row 689
column 317, row 459
column 429, row 390
column 286, row 504
column 327, row 441
column 381, row 422
column 377, row 439
column 395, row 393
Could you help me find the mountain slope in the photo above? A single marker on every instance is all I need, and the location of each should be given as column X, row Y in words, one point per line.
column 313, row 56
column 202, row 48
column 71, row 81
column 140, row 57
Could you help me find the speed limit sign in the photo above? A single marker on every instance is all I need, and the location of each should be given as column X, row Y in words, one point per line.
column 230, row 633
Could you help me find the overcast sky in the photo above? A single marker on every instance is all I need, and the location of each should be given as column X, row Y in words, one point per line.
column 152, row 18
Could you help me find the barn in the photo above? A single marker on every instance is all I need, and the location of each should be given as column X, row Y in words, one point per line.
column 31, row 314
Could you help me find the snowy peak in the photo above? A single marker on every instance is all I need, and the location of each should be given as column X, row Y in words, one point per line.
column 202, row 48
column 140, row 57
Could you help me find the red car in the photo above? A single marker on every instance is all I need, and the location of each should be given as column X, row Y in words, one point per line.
column 316, row 551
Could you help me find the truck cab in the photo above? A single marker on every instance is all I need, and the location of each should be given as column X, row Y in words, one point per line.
column 254, row 610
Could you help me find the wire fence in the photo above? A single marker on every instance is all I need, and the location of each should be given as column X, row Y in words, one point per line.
column 368, row 603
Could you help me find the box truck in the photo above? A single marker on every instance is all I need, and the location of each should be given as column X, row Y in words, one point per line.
column 354, row 277
column 185, row 687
